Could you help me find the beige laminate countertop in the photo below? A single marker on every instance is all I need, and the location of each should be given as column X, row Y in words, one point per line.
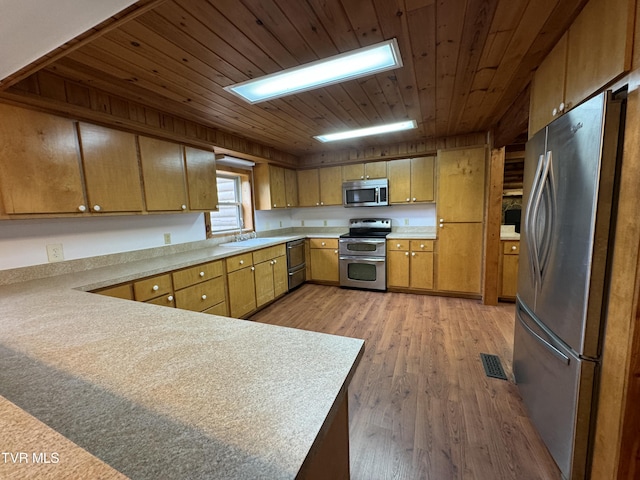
column 152, row 392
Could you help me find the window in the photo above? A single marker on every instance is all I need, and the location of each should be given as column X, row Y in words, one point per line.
column 234, row 204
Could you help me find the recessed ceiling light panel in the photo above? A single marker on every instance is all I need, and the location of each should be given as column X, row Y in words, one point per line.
column 364, row 132
column 339, row 68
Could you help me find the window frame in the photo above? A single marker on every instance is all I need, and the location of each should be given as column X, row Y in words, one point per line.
column 245, row 205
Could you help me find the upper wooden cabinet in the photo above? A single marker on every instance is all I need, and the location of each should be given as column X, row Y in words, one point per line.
column 595, row 51
column 111, row 172
column 364, row 171
column 201, row 179
column 39, row 162
column 330, row 186
column 308, row 188
column 461, row 174
column 275, row 187
column 411, row 180
column 163, row 174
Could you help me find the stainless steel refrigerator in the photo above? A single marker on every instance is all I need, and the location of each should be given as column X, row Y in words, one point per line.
column 569, row 198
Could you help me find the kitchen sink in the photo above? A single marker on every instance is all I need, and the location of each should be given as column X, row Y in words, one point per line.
column 251, row 242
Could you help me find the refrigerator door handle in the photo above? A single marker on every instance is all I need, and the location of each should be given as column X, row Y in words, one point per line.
column 553, row 350
column 530, row 220
column 549, row 200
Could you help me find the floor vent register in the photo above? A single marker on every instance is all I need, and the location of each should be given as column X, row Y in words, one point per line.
column 492, row 366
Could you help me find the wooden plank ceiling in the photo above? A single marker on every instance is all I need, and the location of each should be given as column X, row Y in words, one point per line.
column 467, row 64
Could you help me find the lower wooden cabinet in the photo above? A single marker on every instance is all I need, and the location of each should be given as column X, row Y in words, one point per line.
column 323, row 255
column 153, row 287
column 241, row 284
column 410, row 264
column 459, row 258
column 508, row 281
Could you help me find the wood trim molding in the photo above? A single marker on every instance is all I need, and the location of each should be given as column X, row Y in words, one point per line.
column 493, row 220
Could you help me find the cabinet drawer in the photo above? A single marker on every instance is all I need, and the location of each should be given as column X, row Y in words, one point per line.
column 239, row 261
column 219, row 309
column 201, row 296
column 511, row 248
column 120, row 291
column 199, row 273
column 422, row 245
column 323, row 243
column 397, row 245
column 152, row 287
column 268, row 253
column 163, row 301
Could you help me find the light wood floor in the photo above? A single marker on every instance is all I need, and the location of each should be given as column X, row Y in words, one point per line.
column 421, row 406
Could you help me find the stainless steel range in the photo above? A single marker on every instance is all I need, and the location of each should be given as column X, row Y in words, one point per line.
column 363, row 254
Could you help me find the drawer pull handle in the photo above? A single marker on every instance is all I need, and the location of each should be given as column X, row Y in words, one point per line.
column 202, row 274
column 422, row 245
column 513, row 247
column 397, row 245
column 241, row 262
column 204, row 297
column 323, row 244
column 155, row 288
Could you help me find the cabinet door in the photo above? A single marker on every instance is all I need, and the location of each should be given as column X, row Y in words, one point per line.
column 461, row 185
column 111, row 170
column 291, row 187
column 308, row 188
column 39, row 163
column 422, row 179
column 163, row 174
column 459, row 259
column 264, row 283
column 599, row 47
column 353, row 172
column 278, row 193
column 547, row 91
column 375, row 169
column 399, row 181
column 280, row 276
column 324, row 265
column 242, row 293
column 124, row 291
column 421, row 270
column 201, row 179
column 398, row 268
column 330, row 186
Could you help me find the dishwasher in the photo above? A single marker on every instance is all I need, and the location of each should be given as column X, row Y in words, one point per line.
column 296, row 263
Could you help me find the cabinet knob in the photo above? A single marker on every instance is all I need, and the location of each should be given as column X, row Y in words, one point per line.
column 561, row 107
column 554, row 112
column 253, row 268
column 441, row 220
column 406, row 254
column 288, row 204
column 321, row 203
column 155, row 288
column 422, row 245
column 170, row 298
column 408, row 199
column 441, row 225
column 271, row 262
column 202, row 274
column 274, row 205
column 82, row 208
column 241, row 262
column 275, row 261
column 97, row 208
column 317, row 204
column 335, row 251
column 414, row 199
column 183, row 207
column 361, row 177
column 323, row 244
column 368, row 176
column 204, row 297
column 397, row 245
column 513, row 247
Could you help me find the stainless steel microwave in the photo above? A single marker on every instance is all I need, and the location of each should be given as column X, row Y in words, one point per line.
column 366, row 193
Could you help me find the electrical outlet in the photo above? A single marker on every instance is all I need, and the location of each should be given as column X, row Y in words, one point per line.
column 302, row 223
column 55, row 253
column 167, row 238
column 406, row 221
column 280, row 223
column 325, row 223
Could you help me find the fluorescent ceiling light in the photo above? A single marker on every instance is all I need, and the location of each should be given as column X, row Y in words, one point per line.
column 364, row 132
column 346, row 66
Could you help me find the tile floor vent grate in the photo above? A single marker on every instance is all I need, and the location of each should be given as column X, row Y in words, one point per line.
column 492, row 366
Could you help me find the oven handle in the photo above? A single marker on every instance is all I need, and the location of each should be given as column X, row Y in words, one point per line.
column 374, row 241
column 362, row 259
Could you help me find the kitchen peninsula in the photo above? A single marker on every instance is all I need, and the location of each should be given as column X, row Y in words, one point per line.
column 156, row 392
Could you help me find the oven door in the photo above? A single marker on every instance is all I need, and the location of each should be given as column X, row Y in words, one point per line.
column 366, row 247
column 363, row 272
